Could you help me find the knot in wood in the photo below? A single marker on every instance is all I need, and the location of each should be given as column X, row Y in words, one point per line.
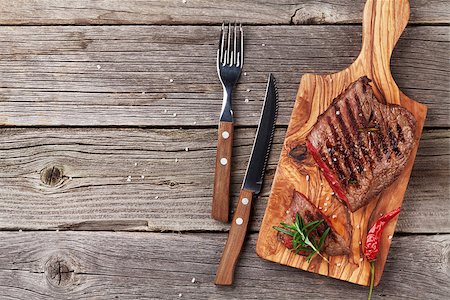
column 52, row 175
column 58, row 272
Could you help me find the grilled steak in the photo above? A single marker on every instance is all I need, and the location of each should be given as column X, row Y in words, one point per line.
column 334, row 244
column 360, row 144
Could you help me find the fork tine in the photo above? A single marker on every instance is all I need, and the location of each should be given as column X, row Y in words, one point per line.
column 241, row 52
column 228, row 58
column 222, row 43
column 234, row 46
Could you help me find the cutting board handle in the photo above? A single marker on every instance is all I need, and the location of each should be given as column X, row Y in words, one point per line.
column 383, row 23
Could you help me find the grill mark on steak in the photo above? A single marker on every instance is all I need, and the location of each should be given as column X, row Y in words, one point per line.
column 379, row 119
column 339, row 165
column 356, row 138
column 362, row 123
column 400, row 133
column 394, row 142
column 349, row 162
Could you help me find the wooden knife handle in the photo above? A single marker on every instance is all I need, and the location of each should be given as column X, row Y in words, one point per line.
column 236, row 237
column 221, row 193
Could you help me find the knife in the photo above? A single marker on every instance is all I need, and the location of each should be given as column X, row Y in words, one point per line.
column 251, row 186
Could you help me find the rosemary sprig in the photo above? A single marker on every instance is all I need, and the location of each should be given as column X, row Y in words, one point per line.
column 301, row 236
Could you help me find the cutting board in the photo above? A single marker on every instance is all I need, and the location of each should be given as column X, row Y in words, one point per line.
column 383, row 23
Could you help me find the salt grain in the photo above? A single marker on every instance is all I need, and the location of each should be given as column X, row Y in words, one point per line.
column 135, row 164
column 246, row 100
column 361, row 259
column 186, row 149
column 174, row 114
column 263, row 44
column 338, row 264
column 165, row 110
column 334, row 159
column 193, row 280
column 70, row 177
column 142, row 176
column 332, row 193
column 180, row 295
column 245, row 73
column 334, row 216
column 99, row 67
column 338, row 113
column 156, row 197
column 357, row 226
column 328, row 198
column 176, row 159
column 360, row 242
column 248, row 90
column 20, row 230
column 320, row 207
column 390, row 237
column 325, row 204
column 129, row 178
column 321, row 184
column 184, row 1
column 195, row 122
column 307, row 177
column 143, row 93
column 325, row 209
column 171, row 80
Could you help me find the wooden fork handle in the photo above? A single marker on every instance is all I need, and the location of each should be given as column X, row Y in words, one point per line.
column 221, row 193
column 236, row 237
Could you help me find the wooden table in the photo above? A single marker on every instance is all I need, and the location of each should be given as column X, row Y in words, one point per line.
column 109, row 111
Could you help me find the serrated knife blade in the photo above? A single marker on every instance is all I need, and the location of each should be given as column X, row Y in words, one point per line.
column 252, row 185
column 264, row 135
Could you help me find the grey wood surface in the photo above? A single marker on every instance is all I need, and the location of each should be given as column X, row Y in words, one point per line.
column 96, row 75
column 108, row 265
column 168, row 12
column 79, row 78
column 78, row 179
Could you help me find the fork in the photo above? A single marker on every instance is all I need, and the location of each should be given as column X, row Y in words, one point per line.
column 230, row 59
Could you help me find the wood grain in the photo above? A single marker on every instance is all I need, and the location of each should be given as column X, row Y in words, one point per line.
column 104, row 265
column 235, row 240
column 83, row 12
column 222, row 176
column 383, row 23
column 92, row 191
column 53, row 79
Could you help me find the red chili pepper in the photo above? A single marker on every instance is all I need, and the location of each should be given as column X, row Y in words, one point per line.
column 374, row 235
column 372, row 245
column 328, row 173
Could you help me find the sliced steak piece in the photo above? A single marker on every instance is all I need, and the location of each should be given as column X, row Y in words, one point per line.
column 334, row 244
column 360, row 144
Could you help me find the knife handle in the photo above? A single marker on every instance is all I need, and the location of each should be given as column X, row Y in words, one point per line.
column 221, row 193
column 236, row 237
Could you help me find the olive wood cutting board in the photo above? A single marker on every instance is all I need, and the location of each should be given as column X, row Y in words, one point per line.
column 383, row 23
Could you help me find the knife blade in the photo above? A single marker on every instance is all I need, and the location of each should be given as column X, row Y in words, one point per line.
column 252, row 185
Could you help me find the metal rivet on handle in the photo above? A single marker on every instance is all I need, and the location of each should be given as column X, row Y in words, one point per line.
column 223, row 161
column 239, row 221
column 225, row 134
column 245, row 201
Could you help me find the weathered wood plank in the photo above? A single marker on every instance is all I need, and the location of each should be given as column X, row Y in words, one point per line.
column 121, row 75
column 78, row 179
column 82, row 12
column 82, row 265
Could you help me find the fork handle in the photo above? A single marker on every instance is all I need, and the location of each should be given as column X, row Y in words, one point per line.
column 221, row 193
